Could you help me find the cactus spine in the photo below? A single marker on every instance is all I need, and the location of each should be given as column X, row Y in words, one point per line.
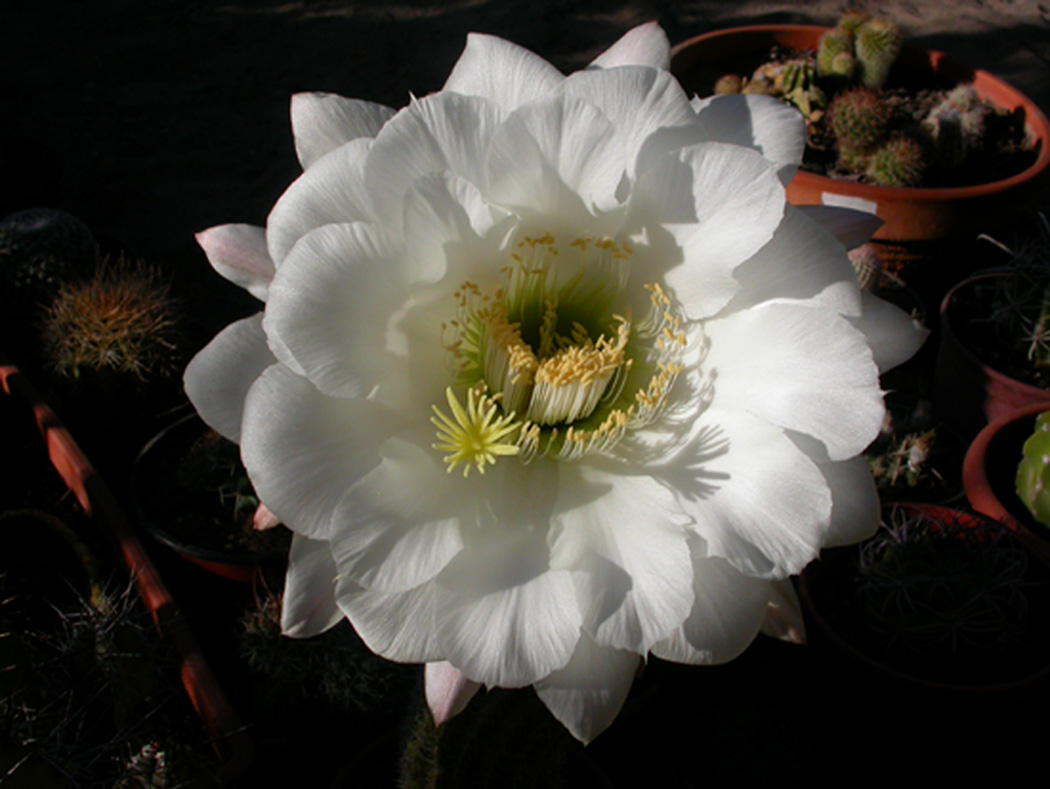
column 899, row 162
column 859, row 120
column 878, row 42
column 1033, row 472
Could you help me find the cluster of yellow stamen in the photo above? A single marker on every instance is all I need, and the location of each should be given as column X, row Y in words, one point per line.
column 567, row 385
column 474, row 436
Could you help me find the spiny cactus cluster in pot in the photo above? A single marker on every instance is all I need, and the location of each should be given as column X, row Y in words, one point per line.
column 113, row 332
column 1033, row 472
column 877, row 135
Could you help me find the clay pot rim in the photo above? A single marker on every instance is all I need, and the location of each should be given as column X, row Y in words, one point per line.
column 1036, row 121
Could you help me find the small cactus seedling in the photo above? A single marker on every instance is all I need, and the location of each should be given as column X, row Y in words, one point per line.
column 1033, row 472
column 114, row 332
column 900, row 162
column 878, row 42
column 956, row 126
column 835, row 56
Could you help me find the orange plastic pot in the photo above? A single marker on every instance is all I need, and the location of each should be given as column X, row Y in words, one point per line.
column 909, row 214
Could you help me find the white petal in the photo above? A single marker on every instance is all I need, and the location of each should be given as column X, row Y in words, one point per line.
column 645, row 45
column 801, row 368
column 502, row 72
column 397, row 625
column 638, row 101
column 308, row 605
column 549, row 155
column 854, row 501
column 303, row 450
column 721, row 203
column 852, row 228
column 322, row 122
column 504, row 618
column 801, row 264
column 588, row 693
column 331, row 305
column 768, row 125
column 447, row 691
column 894, row 335
column 623, row 538
column 238, row 253
column 218, row 378
column 332, row 191
column 784, row 614
column 727, row 613
column 757, row 499
column 443, row 131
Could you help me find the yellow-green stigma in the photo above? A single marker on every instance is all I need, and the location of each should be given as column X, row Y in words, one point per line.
column 473, row 436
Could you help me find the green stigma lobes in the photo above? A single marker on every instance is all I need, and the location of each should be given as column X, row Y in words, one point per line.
column 551, row 362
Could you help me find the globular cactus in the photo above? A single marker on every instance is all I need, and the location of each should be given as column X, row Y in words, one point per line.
column 796, row 83
column 116, row 332
column 39, row 249
column 878, row 42
column 835, row 56
column 1033, row 472
column 900, row 162
column 852, row 20
column 956, row 126
column 859, row 119
column 867, row 265
column 728, row 85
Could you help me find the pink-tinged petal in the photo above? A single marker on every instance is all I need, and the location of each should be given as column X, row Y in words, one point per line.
column 802, row 264
column 263, row 519
column 800, row 368
column 852, row 228
column 504, row 618
column 728, row 611
column 784, row 614
column 757, row 499
column 624, row 540
column 645, row 45
column 218, row 378
column 588, row 693
column 894, row 335
column 322, row 122
column 304, row 450
column 502, row 72
column 308, row 605
column 238, row 253
column 331, row 192
column 397, row 625
column 447, row 691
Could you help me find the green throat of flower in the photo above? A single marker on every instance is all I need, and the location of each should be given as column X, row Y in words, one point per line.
column 552, row 362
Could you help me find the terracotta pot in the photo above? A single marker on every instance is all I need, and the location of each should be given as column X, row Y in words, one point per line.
column 910, row 214
column 819, row 596
column 969, row 393
column 158, row 497
column 225, row 729
column 989, row 475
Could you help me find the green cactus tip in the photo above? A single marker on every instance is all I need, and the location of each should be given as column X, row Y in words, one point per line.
column 1033, row 472
column 900, row 162
column 878, row 42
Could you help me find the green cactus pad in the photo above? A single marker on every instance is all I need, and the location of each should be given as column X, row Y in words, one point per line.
column 1033, row 472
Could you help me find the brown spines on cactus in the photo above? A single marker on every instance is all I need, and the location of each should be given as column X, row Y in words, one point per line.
column 900, row 162
column 859, row 119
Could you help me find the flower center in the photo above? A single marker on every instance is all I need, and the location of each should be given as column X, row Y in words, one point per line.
column 568, row 369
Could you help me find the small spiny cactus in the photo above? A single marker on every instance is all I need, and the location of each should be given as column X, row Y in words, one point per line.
column 1033, row 472
column 859, row 119
column 878, row 42
column 39, row 249
column 835, row 56
column 867, row 265
column 956, row 126
column 728, row 85
column 115, row 331
column 899, row 162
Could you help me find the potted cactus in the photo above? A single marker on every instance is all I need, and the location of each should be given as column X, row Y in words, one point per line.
column 1005, row 473
column 994, row 356
column 852, row 64
column 937, row 599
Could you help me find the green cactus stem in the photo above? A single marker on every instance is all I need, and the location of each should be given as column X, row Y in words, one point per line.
column 878, row 42
column 859, row 119
column 900, row 162
column 1033, row 472
column 835, row 56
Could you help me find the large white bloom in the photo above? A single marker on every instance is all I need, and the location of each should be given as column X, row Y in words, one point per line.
column 586, row 298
